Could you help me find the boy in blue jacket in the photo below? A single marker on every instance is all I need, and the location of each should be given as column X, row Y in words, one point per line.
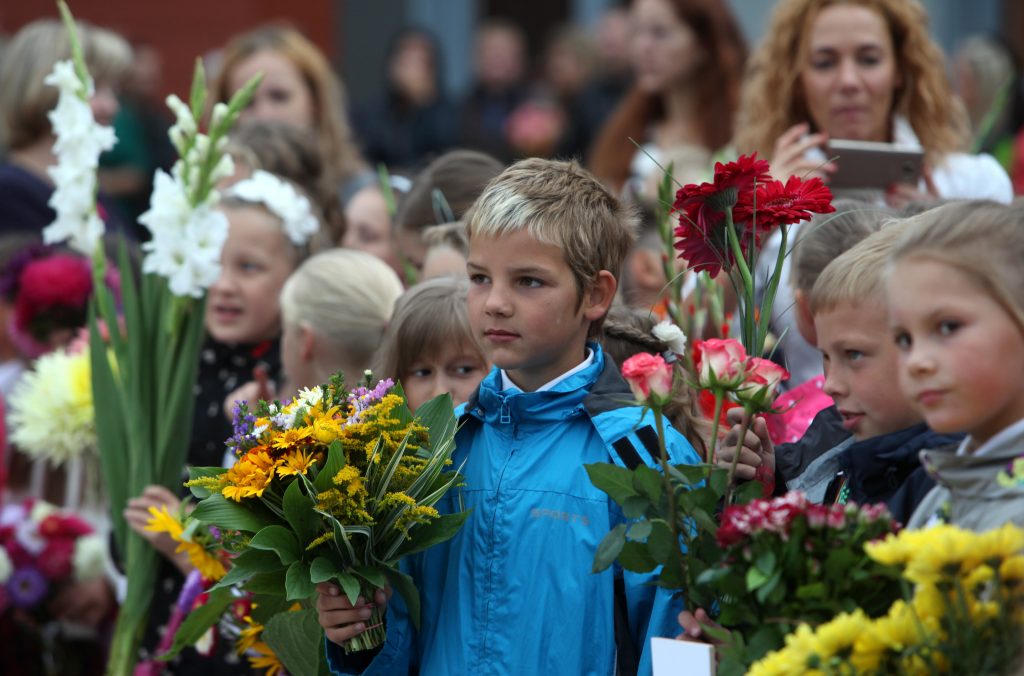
column 513, row 592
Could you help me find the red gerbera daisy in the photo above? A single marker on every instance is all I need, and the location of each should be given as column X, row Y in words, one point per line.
column 779, row 204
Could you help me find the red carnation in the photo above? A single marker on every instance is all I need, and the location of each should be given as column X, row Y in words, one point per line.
column 63, row 526
column 777, row 204
column 61, row 280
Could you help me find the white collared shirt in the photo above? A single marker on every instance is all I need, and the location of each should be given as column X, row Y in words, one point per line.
column 507, row 384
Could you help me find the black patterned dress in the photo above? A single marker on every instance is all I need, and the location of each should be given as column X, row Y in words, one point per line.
column 222, row 369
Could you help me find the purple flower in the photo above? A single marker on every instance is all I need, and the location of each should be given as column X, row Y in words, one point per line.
column 191, row 590
column 27, row 587
column 242, row 425
column 361, row 398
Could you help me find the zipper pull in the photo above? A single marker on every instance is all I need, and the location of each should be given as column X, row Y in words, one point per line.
column 506, row 414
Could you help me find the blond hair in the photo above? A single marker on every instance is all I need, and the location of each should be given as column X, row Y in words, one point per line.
column 857, row 276
column 827, row 237
column 344, row 296
column 772, row 101
column 560, row 204
column 980, row 239
column 451, row 235
column 428, row 318
column 330, row 120
column 29, row 57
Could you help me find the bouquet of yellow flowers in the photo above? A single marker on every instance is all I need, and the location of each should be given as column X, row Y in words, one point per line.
column 965, row 614
column 332, row 486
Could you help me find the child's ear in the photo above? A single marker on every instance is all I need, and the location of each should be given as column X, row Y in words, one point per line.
column 307, row 342
column 804, row 318
column 599, row 296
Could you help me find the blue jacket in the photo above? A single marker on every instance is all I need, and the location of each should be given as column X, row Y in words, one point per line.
column 513, row 592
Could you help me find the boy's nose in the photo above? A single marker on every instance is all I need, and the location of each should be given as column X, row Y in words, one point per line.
column 834, row 386
column 497, row 303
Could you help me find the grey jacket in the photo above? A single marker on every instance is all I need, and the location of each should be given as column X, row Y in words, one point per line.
column 968, row 494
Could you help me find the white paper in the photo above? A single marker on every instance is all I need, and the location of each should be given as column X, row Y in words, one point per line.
column 670, row 657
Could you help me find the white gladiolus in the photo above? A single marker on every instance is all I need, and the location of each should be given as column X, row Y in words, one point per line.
column 6, row 567
column 671, row 335
column 79, row 143
column 220, row 111
column 90, row 557
column 183, row 115
column 283, row 201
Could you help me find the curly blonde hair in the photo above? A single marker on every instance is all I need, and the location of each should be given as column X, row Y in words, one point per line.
column 772, row 100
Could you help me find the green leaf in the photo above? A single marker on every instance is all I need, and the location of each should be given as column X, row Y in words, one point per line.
column 660, row 543
column 322, row 570
column 769, row 586
column 438, row 416
column 279, row 540
column 616, row 481
column 635, row 507
column 350, row 585
column 765, row 562
column 648, row 482
column 438, row 530
column 197, row 97
column 217, row 510
column 404, row 585
column 609, row 549
column 298, row 510
column 372, row 575
column 635, row 557
column 265, row 606
column 200, row 472
column 689, row 475
column 297, row 584
column 639, row 531
column 199, row 621
column 247, row 564
column 813, row 590
column 748, row 491
column 268, row 583
column 720, row 482
column 755, row 579
column 334, row 464
column 297, row 639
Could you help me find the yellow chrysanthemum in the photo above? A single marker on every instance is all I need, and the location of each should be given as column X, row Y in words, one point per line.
column 929, row 602
column 1011, row 571
column 997, row 544
column 939, row 553
column 250, row 476
column 296, row 462
column 248, row 636
column 292, row 438
column 325, row 430
column 792, row 659
column 880, row 645
column 978, row 578
column 836, row 638
column 162, row 521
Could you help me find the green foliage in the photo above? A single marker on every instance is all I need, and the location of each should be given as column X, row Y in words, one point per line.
column 297, row 640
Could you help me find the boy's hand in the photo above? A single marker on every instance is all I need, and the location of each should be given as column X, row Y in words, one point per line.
column 340, row 620
column 757, row 455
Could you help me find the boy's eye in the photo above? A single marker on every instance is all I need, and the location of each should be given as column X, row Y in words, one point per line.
column 948, row 327
column 854, row 355
column 477, row 278
column 249, row 266
column 902, row 340
column 530, row 282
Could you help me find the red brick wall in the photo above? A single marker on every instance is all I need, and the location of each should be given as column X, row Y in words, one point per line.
column 183, row 29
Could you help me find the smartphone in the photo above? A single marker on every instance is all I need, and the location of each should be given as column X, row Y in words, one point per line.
column 865, row 164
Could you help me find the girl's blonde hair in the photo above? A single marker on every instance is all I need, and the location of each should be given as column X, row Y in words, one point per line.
column 29, row 57
column 345, row 297
column 627, row 332
column 983, row 240
column 772, row 100
column 428, row 317
column 330, row 121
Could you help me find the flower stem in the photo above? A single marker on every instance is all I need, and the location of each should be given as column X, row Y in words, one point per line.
column 719, row 400
column 372, row 637
column 730, row 484
column 748, row 322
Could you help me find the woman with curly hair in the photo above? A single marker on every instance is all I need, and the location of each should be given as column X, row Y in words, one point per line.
column 863, row 70
column 298, row 88
column 688, row 58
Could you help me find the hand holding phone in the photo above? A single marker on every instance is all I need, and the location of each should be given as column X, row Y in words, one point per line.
column 865, row 164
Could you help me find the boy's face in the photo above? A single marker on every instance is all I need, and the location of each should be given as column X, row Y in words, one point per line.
column 524, row 308
column 861, row 370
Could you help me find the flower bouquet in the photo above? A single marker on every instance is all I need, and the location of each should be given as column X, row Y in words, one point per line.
column 962, row 612
column 331, row 486
column 41, row 549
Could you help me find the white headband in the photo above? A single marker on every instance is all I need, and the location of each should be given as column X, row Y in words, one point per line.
column 282, row 200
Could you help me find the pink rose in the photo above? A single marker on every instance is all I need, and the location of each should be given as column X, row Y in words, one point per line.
column 721, row 364
column 759, row 387
column 650, row 378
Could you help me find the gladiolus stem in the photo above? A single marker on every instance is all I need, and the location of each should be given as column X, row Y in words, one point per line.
column 748, row 417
